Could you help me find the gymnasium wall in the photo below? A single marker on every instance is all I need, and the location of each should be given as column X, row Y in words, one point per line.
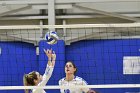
column 19, row 58
column 101, row 62
column 16, row 59
column 98, row 62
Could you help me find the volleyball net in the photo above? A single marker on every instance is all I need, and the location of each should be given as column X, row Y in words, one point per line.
column 107, row 56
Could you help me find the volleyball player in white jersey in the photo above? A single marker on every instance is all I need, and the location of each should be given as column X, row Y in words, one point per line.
column 72, row 80
column 35, row 79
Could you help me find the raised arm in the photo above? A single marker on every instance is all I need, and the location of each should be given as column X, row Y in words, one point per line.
column 49, row 68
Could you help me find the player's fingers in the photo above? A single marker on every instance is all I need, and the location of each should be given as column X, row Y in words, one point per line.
column 53, row 52
column 44, row 50
column 47, row 51
column 50, row 51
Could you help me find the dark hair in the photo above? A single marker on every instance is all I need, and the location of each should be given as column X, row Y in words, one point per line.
column 28, row 79
column 73, row 66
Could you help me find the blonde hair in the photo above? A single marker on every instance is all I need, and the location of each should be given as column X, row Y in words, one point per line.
column 28, row 80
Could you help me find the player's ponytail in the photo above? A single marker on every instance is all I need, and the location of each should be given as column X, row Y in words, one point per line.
column 28, row 80
column 25, row 82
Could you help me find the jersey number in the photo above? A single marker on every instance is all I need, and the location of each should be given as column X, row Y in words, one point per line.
column 66, row 91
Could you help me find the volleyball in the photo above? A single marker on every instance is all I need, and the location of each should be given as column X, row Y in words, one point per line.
column 51, row 37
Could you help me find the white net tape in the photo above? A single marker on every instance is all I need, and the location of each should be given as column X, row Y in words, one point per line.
column 70, row 87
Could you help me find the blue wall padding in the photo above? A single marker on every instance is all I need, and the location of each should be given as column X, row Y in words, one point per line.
column 58, row 73
column 16, row 59
column 98, row 62
column 101, row 61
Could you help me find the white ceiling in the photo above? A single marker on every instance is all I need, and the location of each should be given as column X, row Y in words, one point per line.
column 68, row 9
column 38, row 12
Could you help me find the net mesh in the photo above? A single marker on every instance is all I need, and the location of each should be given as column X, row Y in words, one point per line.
column 106, row 56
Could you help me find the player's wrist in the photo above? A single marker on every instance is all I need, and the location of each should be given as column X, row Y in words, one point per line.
column 53, row 59
column 49, row 59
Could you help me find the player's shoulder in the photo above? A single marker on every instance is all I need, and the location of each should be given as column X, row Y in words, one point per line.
column 62, row 79
column 77, row 78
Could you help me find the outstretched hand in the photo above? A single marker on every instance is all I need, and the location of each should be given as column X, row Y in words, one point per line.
column 48, row 53
column 51, row 56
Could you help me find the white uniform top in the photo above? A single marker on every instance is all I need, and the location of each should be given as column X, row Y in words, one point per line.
column 46, row 77
column 75, row 82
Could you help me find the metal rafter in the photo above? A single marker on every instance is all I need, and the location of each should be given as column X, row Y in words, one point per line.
column 106, row 13
column 15, row 10
column 62, row 1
